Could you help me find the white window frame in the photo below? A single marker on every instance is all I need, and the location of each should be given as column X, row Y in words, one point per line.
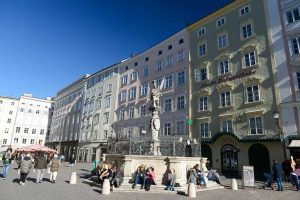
column 256, row 125
column 131, row 112
column 144, row 89
column 167, row 128
column 248, row 57
column 224, row 67
column 226, row 100
column 293, row 15
column 169, row 81
column 201, row 31
column 159, row 65
column 107, row 102
column 122, row 114
column 143, row 110
column 221, row 22
column 244, row 9
column 249, row 30
column 181, row 77
column 146, row 71
column 203, row 103
column 169, row 61
column 133, row 76
column 180, row 127
column 124, row 80
column 253, row 95
column 204, row 129
column 202, row 49
column 295, row 47
column 132, row 93
column 168, row 105
column 179, row 102
column 225, row 126
column 222, row 40
column 180, row 56
column 123, row 96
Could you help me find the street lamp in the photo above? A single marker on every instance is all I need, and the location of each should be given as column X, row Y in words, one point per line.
column 276, row 116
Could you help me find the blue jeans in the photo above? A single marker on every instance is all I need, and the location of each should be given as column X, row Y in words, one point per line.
column 279, row 183
column 138, row 179
column 295, row 180
column 201, row 179
column 5, row 170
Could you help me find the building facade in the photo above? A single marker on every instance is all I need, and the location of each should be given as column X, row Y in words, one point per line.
column 100, row 100
column 66, row 121
column 8, row 113
column 166, row 63
column 32, row 121
column 232, row 92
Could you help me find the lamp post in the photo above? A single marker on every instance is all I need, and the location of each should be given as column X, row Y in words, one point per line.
column 276, row 116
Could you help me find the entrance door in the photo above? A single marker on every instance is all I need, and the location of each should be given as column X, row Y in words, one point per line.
column 206, row 152
column 229, row 157
column 259, row 158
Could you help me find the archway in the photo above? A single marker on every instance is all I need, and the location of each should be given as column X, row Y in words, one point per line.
column 260, row 159
column 207, row 153
column 229, row 156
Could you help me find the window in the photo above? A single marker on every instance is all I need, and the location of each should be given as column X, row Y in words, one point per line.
column 225, row 99
column 130, row 132
column 99, row 104
column 180, row 78
column 33, row 131
column 221, row 22
column 180, row 128
column 18, row 129
column 32, row 141
column 168, row 105
column 169, row 61
column 158, row 82
column 8, row 120
column 123, row 96
column 24, row 140
column 170, row 47
column 109, row 87
column 6, row 130
column 169, row 81
column 158, row 66
column 253, row 93
column 202, row 49
column 298, row 79
column 180, row 56
column 200, row 74
column 26, row 130
column 146, row 71
column 42, row 132
column 132, row 93
column 146, row 59
column 105, row 134
column 4, row 141
column 16, row 140
column 167, row 129
column 159, row 52
column 223, row 67
column 143, row 110
column 122, row 114
column 244, row 10
column 180, row 102
column 203, row 105
column 222, row 40
column 247, row 30
column 293, row 15
column 249, row 59
column 256, row 125
column 227, row 126
column 144, row 89
column 133, row 76
column 296, row 45
column 124, row 80
column 40, row 141
column 180, row 41
column 201, row 31
column 131, row 112
column 106, row 117
column 107, row 102
column 100, row 90
column 204, row 130
column 10, row 112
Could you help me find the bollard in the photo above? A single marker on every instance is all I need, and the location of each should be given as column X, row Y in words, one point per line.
column 234, row 184
column 191, row 190
column 106, row 187
column 73, row 178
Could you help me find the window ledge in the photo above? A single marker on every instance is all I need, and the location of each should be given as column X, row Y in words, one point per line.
column 203, row 111
column 250, row 67
column 255, row 102
column 249, row 37
column 224, row 107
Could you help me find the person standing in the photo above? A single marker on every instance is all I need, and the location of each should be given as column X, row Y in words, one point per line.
column 54, row 165
column 72, row 160
column 277, row 170
column 6, row 162
column 25, row 167
column 40, row 166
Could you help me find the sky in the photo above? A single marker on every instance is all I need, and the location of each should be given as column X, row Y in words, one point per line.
column 47, row 44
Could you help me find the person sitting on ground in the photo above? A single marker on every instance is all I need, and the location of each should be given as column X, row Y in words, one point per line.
column 139, row 177
column 192, row 176
column 150, row 178
column 171, row 181
column 294, row 177
column 200, row 176
column 105, row 173
column 213, row 175
column 116, row 177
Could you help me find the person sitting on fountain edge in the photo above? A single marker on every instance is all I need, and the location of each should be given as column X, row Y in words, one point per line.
column 139, row 177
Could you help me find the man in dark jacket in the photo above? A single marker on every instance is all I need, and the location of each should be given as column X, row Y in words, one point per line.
column 277, row 170
column 25, row 167
column 116, row 179
column 40, row 166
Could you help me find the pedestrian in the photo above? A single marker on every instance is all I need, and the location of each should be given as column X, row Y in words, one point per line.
column 150, row 178
column 139, row 177
column 295, row 178
column 287, row 169
column 54, row 165
column 72, row 160
column 116, row 177
column 105, row 173
column 6, row 159
column 277, row 170
column 40, row 166
column 171, row 181
column 25, row 166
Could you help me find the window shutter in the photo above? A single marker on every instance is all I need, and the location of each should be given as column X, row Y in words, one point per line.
column 197, row 74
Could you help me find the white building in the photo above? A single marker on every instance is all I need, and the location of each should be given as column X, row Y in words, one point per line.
column 8, row 111
column 31, row 122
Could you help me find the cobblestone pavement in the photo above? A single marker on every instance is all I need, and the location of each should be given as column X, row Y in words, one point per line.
column 61, row 190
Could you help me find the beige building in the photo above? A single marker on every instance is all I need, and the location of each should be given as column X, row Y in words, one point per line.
column 232, row 91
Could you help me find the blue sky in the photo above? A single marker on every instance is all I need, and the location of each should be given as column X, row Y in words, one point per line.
column 47, row 44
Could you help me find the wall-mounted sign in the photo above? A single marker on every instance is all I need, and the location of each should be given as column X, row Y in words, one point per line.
column 227, row 78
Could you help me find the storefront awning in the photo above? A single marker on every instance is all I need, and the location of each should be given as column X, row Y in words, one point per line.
column 294, row 144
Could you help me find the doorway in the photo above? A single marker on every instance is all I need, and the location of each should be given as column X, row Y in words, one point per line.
column 229, row 155
column 260, row 159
